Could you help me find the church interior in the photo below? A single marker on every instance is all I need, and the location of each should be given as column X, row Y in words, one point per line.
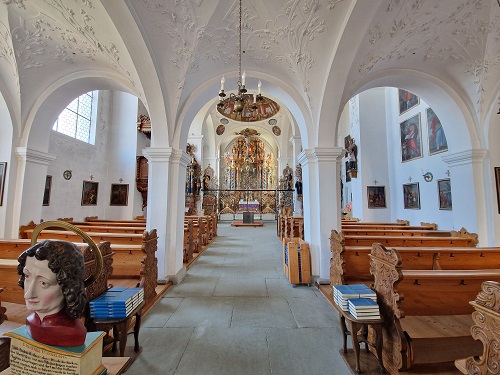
column 190, row 117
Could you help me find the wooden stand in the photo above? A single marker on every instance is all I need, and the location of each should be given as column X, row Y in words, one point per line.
column 355, row 327
column 297, row 261
column 120, row 328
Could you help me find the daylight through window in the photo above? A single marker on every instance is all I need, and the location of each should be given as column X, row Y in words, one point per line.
column 76, row 119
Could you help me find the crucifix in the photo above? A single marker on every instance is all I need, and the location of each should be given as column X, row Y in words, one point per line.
column 447, row 173
column 91, row 177
column 409, row 179
column 375, row 182
column 121, row 180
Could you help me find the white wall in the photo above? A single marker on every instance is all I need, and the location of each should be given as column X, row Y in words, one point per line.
column 401, row 172
column 112, row 157
column 6, row 141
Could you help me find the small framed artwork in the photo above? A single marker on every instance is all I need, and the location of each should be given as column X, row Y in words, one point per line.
column 89, row 193
column 347, row 175
column 411, row 139
column 407, row 100
column 46, row 192
column 3, row 172
column 444, row 193
column 497, row 178
column 119, row 195
column 435, row 132
column 411, row 196
column 376, row 196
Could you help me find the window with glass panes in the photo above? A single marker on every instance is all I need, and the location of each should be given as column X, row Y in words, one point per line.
column 76, row 119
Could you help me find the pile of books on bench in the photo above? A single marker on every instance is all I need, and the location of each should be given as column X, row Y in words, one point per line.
column 357, row 299
column 117, row 302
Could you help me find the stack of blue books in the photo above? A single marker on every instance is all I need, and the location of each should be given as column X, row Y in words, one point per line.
column 342, row 293
column 363, row 308
column 117, row 302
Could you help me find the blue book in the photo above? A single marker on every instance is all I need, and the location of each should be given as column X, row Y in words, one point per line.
column 118, row 296
column 363, row 303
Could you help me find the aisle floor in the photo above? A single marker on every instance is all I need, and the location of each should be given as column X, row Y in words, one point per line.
column 236, row 313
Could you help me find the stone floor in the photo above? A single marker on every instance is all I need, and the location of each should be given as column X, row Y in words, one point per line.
column 236, row 313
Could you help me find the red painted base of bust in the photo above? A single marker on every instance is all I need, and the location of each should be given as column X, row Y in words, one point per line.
column 57, row 329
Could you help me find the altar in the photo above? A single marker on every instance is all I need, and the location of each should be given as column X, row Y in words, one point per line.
column 252, row 206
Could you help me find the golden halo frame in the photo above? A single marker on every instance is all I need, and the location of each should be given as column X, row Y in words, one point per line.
column 64, row 225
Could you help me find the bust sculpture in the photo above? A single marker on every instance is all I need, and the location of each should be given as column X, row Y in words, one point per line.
column 52, row 276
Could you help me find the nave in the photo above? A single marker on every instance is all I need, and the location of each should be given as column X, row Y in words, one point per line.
column 236, row 313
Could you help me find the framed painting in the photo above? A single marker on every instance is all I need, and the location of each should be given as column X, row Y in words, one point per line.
column 411, row 138
column 347, row 175
column 3, row 172
column 411, row 196
column 407, row 100
column 119, row 195
column 497, row 178
column 435, row 132
column 376, row 196
column 46, row 192
column 444, row 193
column 89, row 193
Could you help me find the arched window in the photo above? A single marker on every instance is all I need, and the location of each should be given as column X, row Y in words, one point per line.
column 77, row 120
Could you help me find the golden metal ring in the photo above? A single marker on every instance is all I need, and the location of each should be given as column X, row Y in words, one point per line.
column 64, row 225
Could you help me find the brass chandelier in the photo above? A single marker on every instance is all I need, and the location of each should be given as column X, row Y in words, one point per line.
column 239, row 101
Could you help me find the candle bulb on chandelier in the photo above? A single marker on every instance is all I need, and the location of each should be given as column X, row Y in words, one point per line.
column 243, row 78
column 254, row 97
column 222, row 80
column 259, row 86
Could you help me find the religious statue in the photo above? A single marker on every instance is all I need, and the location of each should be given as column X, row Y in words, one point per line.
column 352, row 153
column 52, row 276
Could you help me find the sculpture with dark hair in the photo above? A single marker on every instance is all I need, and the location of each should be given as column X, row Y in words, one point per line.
column 54, row 323
column 66, row 261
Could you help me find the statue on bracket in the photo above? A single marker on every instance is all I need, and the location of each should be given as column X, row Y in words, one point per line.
column 352, row 156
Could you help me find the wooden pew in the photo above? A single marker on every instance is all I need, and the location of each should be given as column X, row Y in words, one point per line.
column 352, row 263
column 399, row 225
column 485, row 329
column 189, row 246
column 116, row 238
column 395, row 232
column 426, row 312
column 405, row 241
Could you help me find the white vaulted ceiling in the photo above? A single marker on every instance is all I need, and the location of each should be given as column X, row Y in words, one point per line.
column 172, row 53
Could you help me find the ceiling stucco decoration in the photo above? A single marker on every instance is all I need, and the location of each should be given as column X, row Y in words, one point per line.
column 54, row 30
column 264, row 108
column 438, row 37
column 203, row 38
column 7, row 54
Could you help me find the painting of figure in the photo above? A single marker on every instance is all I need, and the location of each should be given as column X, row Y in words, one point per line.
column 411, row 139
column 411, row 196
column 376, row 196
column 89, row 193
column 407, row 100
column 119, row 195
column 444, row 191
column 435, row 131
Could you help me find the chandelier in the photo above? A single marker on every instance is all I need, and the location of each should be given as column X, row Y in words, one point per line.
column 237, row 102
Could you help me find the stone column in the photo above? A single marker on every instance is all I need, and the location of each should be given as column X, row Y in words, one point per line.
column 166, row 180
column 322, row 206
column 28, row 198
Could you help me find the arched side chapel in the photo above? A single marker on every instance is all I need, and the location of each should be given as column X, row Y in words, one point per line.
column 364, row 106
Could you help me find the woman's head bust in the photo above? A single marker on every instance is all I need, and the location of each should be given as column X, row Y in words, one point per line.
column 66, row 262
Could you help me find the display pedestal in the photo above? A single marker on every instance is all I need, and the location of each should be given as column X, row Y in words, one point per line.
column 248, row 217
column 28, row 356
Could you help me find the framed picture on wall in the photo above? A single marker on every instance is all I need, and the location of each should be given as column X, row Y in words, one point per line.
column 46, row 192
column 497, row 178
column 411, row 196
column 407, row 100
column 411, row 138
column 119, row 195
column 3, row 172
column 435, row 132
column 444, row 193
column 376, row 196
column 89, row 193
